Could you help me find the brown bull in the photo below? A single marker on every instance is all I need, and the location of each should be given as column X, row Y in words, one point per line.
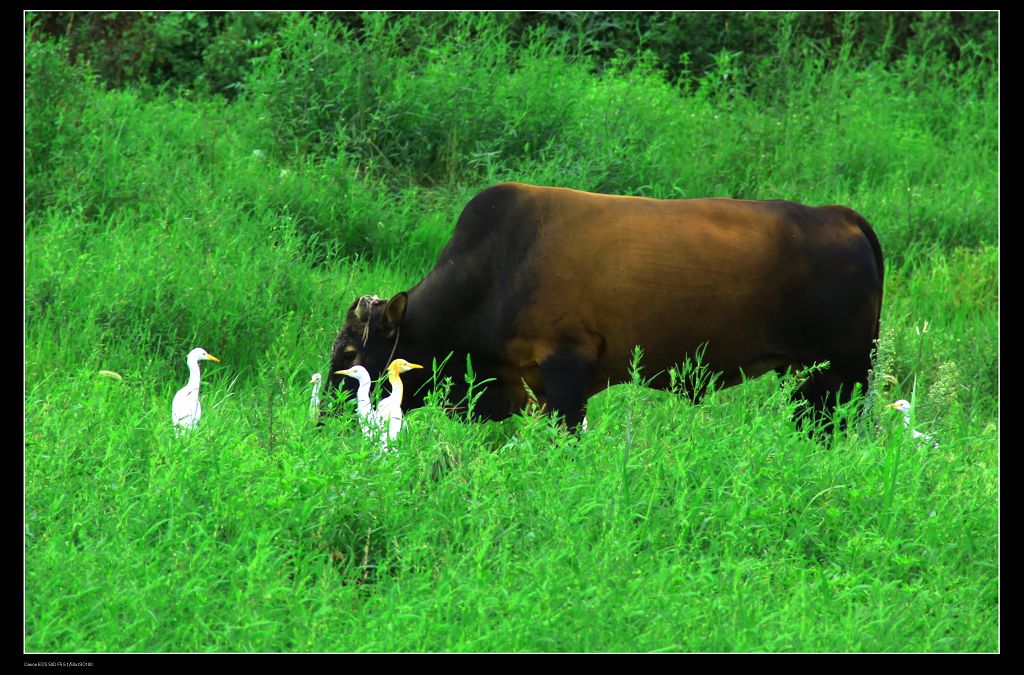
column 555, row 287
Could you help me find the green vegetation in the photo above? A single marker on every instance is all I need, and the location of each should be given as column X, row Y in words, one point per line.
column 235, row 181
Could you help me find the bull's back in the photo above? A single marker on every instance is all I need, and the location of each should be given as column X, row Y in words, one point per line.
column 609, row 273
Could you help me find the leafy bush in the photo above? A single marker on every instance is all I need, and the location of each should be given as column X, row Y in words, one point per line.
column 219, row 47
column 57, row 95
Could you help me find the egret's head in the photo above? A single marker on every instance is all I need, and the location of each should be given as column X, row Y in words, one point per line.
column 200, row 354
column 399, row 366
column 902, row 405
column 358, row 373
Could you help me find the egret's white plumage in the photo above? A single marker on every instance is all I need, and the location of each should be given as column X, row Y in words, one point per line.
column 389, row 410
column 367, row 417
column 314, row 398
column 386, row 421
column 903, row 406
column 185, row 410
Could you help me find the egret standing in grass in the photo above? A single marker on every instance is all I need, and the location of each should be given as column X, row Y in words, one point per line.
column 389, row 410
column 314, row 398
column 387, row 420
column 185, row 410
column 903, row 406
column 367, row 417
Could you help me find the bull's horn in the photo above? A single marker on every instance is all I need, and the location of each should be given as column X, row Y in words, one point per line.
column 362, row 311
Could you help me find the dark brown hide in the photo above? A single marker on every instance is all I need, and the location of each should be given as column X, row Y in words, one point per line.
column 555, row 287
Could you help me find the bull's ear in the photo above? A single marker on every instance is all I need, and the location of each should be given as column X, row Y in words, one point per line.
column 395, row 311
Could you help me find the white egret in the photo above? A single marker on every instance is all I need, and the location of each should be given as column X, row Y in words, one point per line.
column 314, row 398
column 185, row 410
column 389, row 410
column 903, row 406
column 387, row 419
column 367, row 417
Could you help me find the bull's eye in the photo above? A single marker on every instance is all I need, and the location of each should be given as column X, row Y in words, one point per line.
column 349, row 353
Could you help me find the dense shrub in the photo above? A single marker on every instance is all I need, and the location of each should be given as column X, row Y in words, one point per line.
column 57, row 94
column 187, row 48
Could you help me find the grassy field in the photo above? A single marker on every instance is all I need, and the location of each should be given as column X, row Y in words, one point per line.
column 161, row 216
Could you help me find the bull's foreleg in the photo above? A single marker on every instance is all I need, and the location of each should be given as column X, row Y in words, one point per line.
column 565, row 385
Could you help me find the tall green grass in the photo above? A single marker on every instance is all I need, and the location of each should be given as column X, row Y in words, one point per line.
column 157, row 221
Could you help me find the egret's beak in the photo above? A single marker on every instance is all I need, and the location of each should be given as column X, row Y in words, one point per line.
column 397, row 367
column 343, row 372
column 213, row 358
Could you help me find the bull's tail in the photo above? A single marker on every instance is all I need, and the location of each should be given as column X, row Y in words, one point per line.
column 876, row 248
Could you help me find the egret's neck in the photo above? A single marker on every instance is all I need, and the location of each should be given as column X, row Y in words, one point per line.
column 396, row 387
column 364, row 390
column 193, row 374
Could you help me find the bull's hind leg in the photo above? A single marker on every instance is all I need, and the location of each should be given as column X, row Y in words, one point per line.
column 825, row 389
column 566, row 375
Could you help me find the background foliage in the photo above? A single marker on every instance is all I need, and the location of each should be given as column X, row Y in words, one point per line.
column 235, row 180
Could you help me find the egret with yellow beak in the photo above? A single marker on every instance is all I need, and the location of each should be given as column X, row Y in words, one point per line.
column 186, row 410
column 903, row 406
column 367, row 417
column 389, row 410
column 387, row 419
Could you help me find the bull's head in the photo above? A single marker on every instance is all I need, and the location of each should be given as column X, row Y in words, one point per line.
column 369, row 338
